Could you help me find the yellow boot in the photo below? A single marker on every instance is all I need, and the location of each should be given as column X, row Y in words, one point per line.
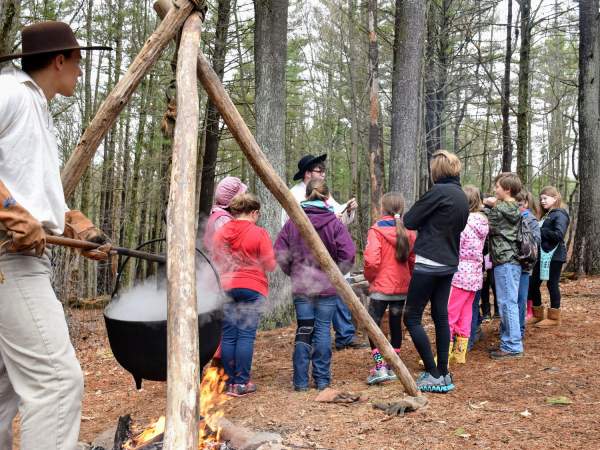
column 552, row 320
column 538, row 315
column 435, row 357
column 459, row 355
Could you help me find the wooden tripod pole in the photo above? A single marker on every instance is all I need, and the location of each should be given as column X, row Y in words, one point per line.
column 183, row 361
column 263, row 168
column 117, row 99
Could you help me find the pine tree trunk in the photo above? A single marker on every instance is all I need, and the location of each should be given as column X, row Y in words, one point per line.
column 409, row 35
column 523, row 107
column 9, row 26
column 375, row 149
column 211, row 147
column 270, row 59
column 505, row 100
column 586, row 253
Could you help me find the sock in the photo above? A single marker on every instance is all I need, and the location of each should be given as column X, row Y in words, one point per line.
column 379, row 361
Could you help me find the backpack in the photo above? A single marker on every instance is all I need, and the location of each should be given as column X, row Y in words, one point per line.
column 528, row 248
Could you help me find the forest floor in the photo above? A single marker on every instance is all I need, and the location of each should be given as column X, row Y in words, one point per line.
column 496, row 404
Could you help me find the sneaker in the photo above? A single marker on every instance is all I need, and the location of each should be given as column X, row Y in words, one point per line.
column 377, row 376
column 501, row 354
column 427, row 383
column 354, row 344
column 449, row 382
column 301, row 388
column 239, row 390
column 391, row 375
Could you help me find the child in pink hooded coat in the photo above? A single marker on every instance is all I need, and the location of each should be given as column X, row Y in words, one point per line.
column 469, row 277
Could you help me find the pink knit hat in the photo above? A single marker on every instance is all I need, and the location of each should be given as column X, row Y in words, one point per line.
column 228, row 188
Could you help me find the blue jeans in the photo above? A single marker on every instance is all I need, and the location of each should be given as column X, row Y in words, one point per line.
column 313, row 340
column 475, row 320
column 507, row 277
column 241, row 317
column 523, row 292
column 342, row 324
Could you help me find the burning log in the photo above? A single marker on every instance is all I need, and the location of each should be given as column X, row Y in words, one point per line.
column 182, row 318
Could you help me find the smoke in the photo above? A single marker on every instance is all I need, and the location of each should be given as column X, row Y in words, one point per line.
column 148, row 301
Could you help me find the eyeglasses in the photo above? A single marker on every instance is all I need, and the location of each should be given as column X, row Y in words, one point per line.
column 319, row 171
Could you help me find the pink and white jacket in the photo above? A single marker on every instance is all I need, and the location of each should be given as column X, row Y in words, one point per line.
column 469, row 276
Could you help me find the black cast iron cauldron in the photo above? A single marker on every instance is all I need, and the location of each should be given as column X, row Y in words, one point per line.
column 141, row 347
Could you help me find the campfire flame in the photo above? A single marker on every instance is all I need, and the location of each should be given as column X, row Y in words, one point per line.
column 154, row 430
column 212, row 396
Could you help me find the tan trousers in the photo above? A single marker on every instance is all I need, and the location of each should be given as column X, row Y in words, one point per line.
column 39, row 372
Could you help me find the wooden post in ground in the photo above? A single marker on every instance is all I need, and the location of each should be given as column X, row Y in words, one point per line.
column 115, row 102
column 183, row 377
column 263, row 168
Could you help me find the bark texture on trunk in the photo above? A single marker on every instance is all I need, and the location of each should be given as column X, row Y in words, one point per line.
column 183, row 375
column 213, row 119
column 586, row 252
column 523, row 108
column 375, row 149
column 505, row 100
column 409, row 37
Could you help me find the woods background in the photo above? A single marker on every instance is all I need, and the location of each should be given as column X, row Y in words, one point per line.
column 377, row 85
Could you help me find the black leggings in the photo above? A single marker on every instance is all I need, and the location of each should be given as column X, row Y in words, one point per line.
column 377, row 310
column 553, row 284
column 425, row 287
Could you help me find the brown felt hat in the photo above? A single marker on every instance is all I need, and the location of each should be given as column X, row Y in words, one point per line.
column 48, row 37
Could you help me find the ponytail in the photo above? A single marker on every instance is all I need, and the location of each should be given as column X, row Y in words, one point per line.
column 392, row 203
column 402, row 242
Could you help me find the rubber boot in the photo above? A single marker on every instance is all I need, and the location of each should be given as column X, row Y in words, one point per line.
column 459, row 354
column 435, row 357
column 538, row 315
column 529, row 313
column 553, row 319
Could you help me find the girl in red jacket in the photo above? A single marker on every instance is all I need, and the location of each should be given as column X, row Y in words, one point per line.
column 389, row 262
column 243, row 252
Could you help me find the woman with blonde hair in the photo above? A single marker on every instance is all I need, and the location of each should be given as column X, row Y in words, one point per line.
column 554, row 223
column 439, row 217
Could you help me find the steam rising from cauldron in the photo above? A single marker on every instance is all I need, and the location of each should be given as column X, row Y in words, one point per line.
column 147, row 301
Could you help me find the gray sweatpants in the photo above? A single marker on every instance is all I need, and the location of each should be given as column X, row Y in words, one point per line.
column 39, row 372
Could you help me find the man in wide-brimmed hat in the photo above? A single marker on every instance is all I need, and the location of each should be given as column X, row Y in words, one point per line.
column 312, row 167
column 39, row 372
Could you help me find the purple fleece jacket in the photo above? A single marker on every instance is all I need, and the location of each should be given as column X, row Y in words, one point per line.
column 296, row 260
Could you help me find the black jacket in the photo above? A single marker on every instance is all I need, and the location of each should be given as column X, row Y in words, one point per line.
column 439, row 217
column 553, row 232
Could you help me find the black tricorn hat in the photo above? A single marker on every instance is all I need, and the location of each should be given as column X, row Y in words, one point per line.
column 48, row 37
column 305, row 163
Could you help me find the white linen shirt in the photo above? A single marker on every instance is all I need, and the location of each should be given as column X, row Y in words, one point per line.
column 29, row 163
column 299, row 193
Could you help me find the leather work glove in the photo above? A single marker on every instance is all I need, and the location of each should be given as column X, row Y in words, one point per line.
column 23, row 230
column 78, row 226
